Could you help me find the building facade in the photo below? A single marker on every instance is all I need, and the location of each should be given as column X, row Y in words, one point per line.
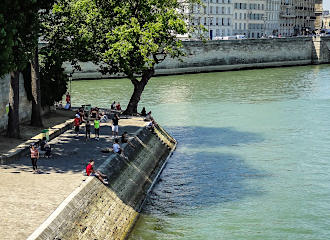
column 215, row 16
column 272, row 26
column 257, row 18
column 249, row 18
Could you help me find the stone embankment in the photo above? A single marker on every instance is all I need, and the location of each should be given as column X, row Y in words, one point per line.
column 224, row 55
column 96, row 211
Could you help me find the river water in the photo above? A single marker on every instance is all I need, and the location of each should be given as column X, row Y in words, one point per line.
column 253, row 159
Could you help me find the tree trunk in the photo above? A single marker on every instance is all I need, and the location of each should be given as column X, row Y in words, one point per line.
column 13, row 115
column 138, row 89
column 36, row 94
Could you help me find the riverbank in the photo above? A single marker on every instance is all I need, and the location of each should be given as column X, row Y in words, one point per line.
column 36, row 196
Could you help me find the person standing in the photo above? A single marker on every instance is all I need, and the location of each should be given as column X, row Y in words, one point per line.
column 76, row 124
column 88, row 130
column 97, row 128
column 34, row 154
column 115, row 128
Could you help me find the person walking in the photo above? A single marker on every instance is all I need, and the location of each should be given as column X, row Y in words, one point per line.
column 34, row 154
column 115, row 127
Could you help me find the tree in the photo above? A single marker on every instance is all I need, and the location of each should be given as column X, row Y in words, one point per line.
column 15, row 50
column 128, row 37
column 40, row 9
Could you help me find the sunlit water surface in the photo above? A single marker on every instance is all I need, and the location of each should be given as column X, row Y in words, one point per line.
column 253, row 159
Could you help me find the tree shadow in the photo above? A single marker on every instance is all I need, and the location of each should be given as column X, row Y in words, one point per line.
column 71, row 154
column 195, row 179
column 213, row 137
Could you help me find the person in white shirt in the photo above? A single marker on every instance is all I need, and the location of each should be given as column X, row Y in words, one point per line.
column 116, row 147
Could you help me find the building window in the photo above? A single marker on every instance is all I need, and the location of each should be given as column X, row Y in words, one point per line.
column 217, row 10
column 228, row 10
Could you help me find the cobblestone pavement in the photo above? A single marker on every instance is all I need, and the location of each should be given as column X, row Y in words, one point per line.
column 27, row 199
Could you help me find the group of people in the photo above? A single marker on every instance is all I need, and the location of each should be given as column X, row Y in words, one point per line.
column 115, row 106
column 96, row 117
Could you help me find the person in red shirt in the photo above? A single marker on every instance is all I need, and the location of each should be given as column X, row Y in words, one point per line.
column 91, row 172
column 76, row 124
column 118, row 107
column 68, row 98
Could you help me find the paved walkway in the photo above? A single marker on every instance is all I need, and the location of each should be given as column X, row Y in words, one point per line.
column 27, row 199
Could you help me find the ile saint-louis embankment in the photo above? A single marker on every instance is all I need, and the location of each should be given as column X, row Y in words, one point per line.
column 95, row 211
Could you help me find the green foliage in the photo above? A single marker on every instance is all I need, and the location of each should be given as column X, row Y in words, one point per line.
column 53, row 80
column 17, row 33
column 122, row 36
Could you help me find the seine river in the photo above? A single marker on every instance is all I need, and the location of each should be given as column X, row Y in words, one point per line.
column 253, row 159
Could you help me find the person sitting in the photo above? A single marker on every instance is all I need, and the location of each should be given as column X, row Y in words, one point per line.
column 104, row 118
column 113, row 105
column 91, row 172
column 151, row 125
column 118, row 107
column 117, row 149
column 148, row 117
column 45, row 147
column 143, row 112
column 124, row 139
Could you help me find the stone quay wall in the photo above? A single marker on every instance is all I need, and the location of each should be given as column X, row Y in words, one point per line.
column 25, row 107
column 223, row 55
column 96, row 211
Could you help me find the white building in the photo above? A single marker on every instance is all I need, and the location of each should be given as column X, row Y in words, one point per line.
column 272, row 18
column 215, row 15
column 249, row 18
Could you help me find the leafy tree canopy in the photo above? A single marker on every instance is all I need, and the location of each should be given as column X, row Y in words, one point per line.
column 17, row 33
column 127, row 37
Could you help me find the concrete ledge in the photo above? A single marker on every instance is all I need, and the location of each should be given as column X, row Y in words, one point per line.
column 23, row 149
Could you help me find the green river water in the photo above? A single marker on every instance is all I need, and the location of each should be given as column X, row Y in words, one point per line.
column 253, row 159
